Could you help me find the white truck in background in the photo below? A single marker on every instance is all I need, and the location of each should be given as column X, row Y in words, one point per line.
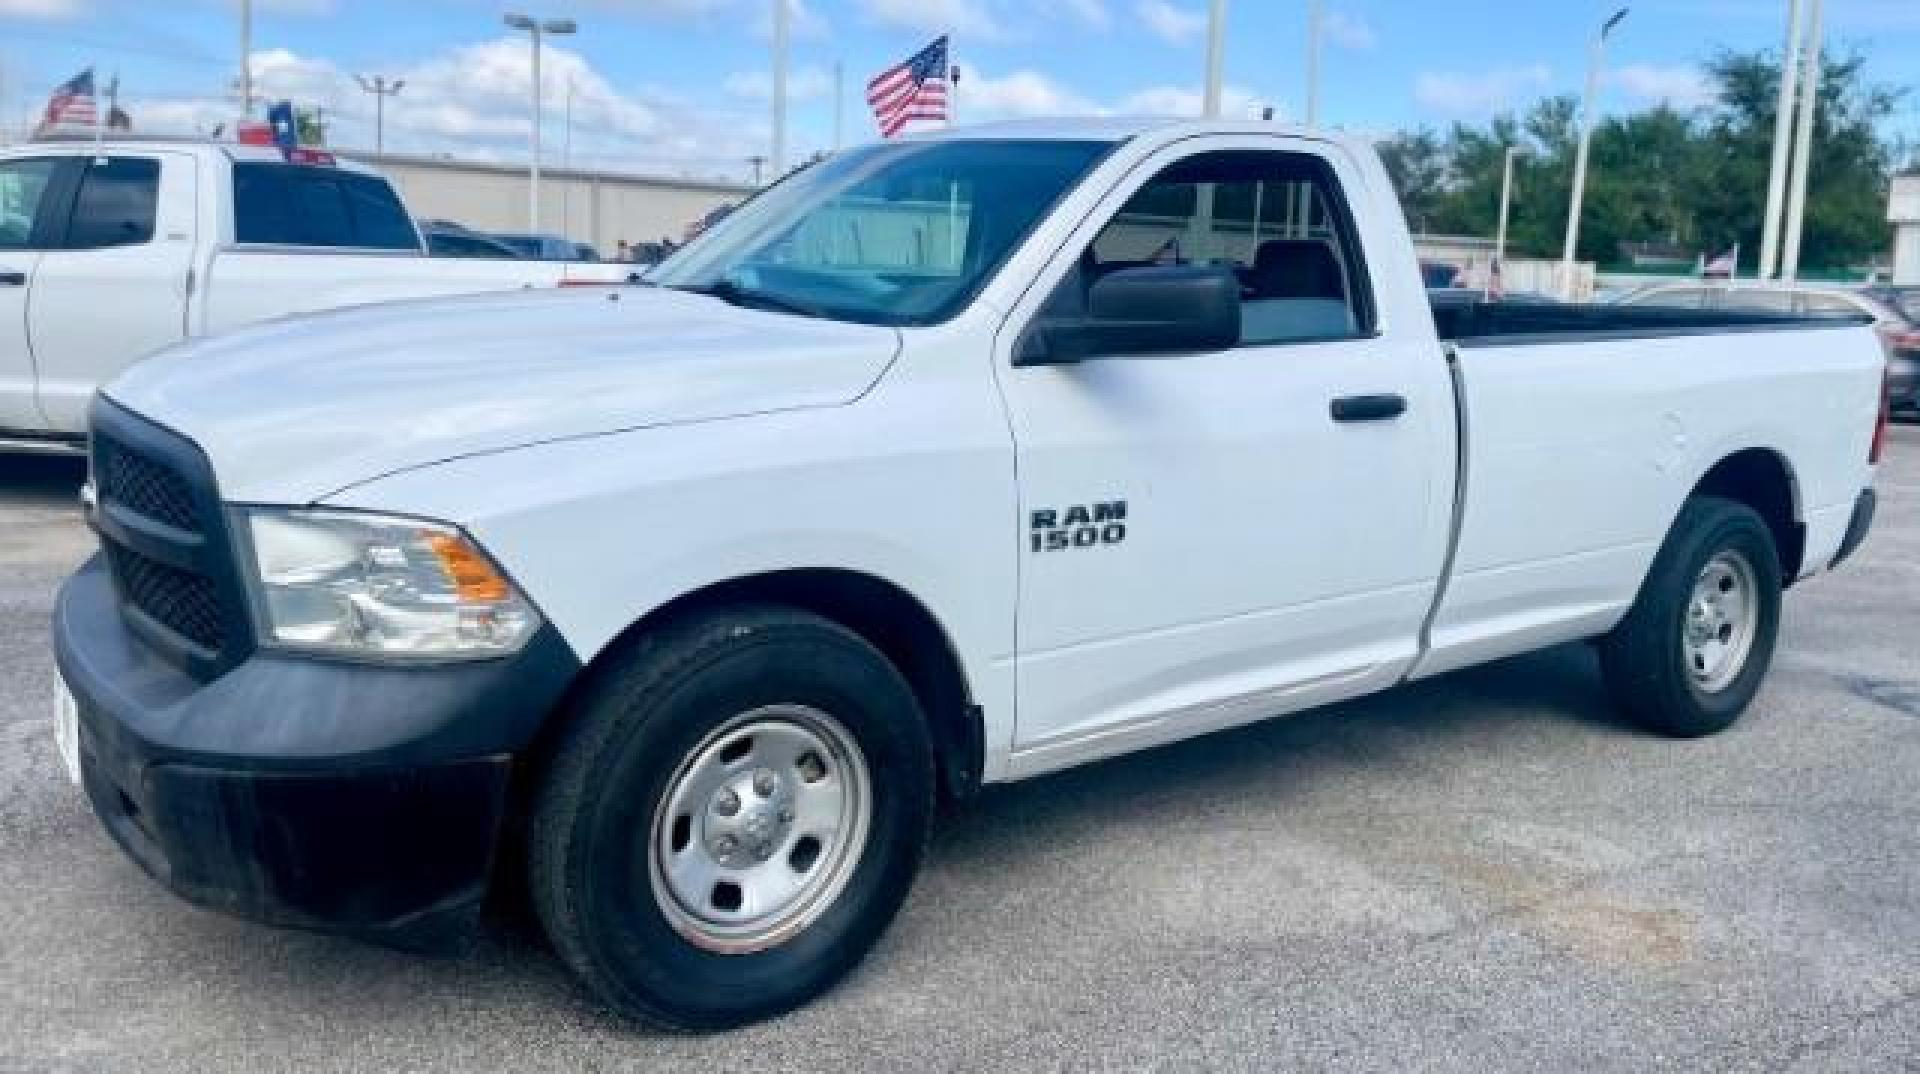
column 690, row 599
column 109, row 252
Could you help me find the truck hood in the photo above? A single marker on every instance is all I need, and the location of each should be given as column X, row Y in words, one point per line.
column 290, row 411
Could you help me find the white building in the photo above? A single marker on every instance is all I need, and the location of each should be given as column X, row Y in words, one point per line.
column 1903, row 208
column 601, row 208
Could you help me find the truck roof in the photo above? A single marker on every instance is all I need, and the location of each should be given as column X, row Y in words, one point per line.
column 204, row 147
column 1124, row 128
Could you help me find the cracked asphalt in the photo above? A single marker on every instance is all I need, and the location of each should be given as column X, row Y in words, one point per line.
column 1487, row 871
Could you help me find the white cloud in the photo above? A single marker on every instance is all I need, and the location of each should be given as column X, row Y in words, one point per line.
column 1348, row 31
column 1455, row 93
column 971, row 18
column 43, row 9
column 1091, row 13
column 805, row 84
column 472, row 102
column 1019, row 94
column 1027, row 93
column 1172, row 23
column 1681, row 86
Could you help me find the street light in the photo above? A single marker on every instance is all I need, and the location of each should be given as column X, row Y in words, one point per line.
column 535, row 29
column 1580, row 156
column 1506, row 201
column 381, row 90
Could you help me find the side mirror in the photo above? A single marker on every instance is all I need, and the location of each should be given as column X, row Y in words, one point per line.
column 1149, row 310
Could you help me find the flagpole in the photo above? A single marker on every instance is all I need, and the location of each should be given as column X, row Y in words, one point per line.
column 246, row 59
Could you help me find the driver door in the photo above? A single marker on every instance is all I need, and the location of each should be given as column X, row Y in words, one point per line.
column 1210, row 537
column 25, row 186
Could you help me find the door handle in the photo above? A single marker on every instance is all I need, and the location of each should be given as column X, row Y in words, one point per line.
column 10, row 278
column 1368, row 407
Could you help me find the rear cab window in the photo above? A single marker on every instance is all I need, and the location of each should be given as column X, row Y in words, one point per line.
column 1276, row 218
column 115, row 204
column 302, row 205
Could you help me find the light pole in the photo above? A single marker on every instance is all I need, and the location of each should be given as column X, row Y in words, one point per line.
column 1216, row 51
column 1782, row 140
column 1506, row 201
column 381, row 90
column 535, row 29
column 1314, row 21
column 1802, row 149
column 779, row 118
column 1580, row 156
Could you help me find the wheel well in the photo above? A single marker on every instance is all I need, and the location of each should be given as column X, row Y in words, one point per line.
column 889, row 619
column 1760, row 479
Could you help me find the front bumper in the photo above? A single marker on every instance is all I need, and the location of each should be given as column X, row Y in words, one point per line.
column 343, row 797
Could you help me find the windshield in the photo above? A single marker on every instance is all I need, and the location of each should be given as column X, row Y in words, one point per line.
column 895, row 234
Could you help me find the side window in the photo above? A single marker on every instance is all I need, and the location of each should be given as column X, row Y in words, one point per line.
column 115, row 204
column 379, row 220
column 1689, row 298
column 297, row 205
column 23, row 185
column 320, row 211
column 1276, row 218
column 1819, row 303
column 1764, row 301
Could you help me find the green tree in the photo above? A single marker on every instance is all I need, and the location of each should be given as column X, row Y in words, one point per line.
column 1696, row 179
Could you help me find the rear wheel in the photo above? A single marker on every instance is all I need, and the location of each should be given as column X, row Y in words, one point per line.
column 1691, row 654
column 734, row 816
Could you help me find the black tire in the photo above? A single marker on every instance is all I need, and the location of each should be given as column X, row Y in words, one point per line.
column 1644, row 659
column 628, row 735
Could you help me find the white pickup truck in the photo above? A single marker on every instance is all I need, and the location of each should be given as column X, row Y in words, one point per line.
column 110, row 252
column 946, row 461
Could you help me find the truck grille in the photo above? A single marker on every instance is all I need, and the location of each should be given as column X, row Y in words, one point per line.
column 181, row 601
column 165, row 540
column 144, row 487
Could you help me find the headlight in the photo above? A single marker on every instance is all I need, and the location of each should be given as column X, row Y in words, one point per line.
column 358, row 584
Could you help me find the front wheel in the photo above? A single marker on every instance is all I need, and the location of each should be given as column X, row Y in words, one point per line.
column 1691, row 653
column 733, row 817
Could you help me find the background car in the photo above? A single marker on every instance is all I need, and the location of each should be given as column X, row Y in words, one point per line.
column 1895, row 312
column 544, row 247
column 455, row 241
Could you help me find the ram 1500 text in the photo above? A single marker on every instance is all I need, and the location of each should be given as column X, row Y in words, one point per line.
column 945, row 461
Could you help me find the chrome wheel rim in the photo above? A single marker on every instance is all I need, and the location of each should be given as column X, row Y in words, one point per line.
column 1722, row 618
column 760, row 828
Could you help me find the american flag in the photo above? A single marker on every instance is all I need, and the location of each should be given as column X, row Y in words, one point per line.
column 72, row 104
column 916, row 89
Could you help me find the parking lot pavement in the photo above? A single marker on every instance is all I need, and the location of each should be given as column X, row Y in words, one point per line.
column 1482, row 872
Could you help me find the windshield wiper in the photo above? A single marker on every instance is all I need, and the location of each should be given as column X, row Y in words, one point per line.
column 738, row 294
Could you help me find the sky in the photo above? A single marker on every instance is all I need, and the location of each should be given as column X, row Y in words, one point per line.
column 681, row 86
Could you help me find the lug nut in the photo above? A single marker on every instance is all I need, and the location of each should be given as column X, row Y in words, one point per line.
column 726, row 803
column 764, row 783
column 726, row 844
column 786, row 815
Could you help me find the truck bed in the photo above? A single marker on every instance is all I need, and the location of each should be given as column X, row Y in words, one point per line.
column 1473, row 322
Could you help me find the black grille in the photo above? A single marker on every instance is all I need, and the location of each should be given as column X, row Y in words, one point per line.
column 145, row 488
column 183, row 602
column 165, row 539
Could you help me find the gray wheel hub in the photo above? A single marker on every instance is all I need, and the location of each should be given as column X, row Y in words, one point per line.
column 1723, row 618
column 760, row 828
